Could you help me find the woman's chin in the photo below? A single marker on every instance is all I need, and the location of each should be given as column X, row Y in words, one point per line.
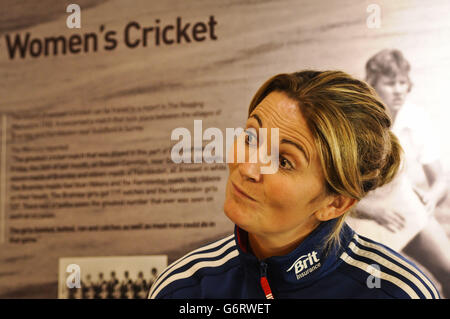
column 237, row 214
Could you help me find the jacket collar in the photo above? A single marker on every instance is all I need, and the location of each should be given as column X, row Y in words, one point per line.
column 307, row 263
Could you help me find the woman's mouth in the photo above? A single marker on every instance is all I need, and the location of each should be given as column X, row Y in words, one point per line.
column 239, row 192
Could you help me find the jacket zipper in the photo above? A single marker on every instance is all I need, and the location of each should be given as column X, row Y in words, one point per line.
column 264, row 282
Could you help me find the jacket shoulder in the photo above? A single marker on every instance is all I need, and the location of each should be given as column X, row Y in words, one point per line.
column 183, row 277
column 382, row 271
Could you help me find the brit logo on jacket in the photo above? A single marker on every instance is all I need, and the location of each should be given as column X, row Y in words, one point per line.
column 305, row 264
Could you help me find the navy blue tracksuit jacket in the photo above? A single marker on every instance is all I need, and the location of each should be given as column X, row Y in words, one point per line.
column 358, row 268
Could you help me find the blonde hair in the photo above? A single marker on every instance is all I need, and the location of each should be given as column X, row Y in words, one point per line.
column 351, row 128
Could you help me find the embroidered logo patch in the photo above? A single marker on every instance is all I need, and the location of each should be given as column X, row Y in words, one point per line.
column 305, row 264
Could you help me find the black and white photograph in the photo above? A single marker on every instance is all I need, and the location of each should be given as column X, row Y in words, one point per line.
column 120, row 129
column 124, row 277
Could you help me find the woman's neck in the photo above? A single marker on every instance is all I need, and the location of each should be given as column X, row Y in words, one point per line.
column 264, row 247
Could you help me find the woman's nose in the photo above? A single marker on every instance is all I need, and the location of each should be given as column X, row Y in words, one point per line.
column 250, row 171
column 250, row 168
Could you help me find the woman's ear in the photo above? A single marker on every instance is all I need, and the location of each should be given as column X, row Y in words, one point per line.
column 339, row 205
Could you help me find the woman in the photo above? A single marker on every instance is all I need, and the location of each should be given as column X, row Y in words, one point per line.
column 401, row 214
column 290, row 238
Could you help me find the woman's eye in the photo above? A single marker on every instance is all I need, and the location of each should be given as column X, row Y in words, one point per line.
column 250, row 138
column 284, row 163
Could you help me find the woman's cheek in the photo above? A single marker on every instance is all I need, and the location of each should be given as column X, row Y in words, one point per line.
column 280, row 193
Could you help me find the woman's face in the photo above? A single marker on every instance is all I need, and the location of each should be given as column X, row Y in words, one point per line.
column 393, row 90
column 284, row 202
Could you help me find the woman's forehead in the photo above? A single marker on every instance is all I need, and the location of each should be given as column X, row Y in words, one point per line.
column 395, row 76
column 277, row 110
column 278, row 102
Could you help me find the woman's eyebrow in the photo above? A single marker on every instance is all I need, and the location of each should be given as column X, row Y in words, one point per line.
column 300, row 148
column 255, row 116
